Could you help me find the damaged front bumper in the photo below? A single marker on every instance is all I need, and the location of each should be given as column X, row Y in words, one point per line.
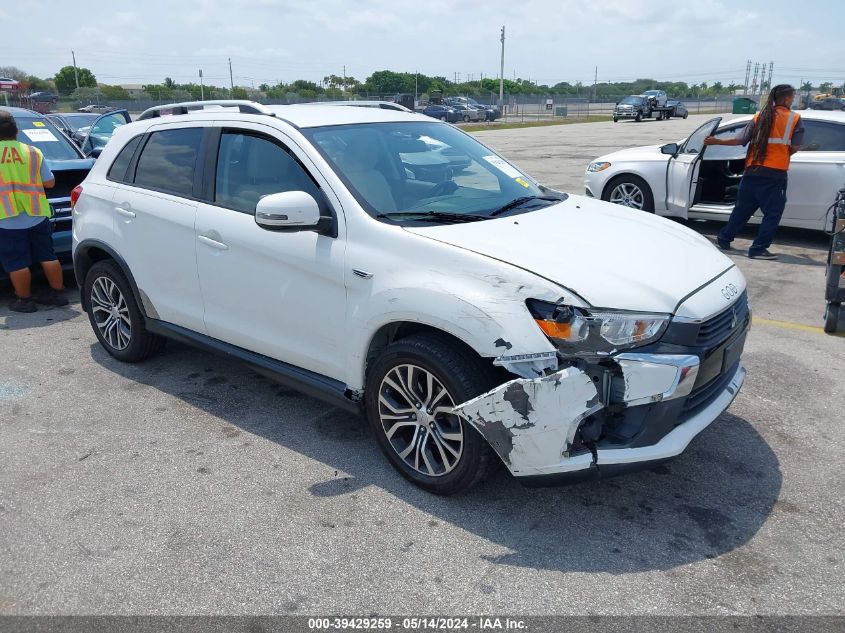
column 630, row 411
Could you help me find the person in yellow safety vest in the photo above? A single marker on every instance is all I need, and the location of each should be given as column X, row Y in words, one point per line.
column 25, row 228
column 774, row 135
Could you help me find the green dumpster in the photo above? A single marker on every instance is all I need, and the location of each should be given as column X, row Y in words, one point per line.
column 744, row 105
column 560, row 111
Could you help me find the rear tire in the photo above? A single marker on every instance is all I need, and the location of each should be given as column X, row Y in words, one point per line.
column 686, row 114
column 431, row 448
column 115, row 316
column 831, row 317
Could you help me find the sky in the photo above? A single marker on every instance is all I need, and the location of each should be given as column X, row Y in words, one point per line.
column 547, row 41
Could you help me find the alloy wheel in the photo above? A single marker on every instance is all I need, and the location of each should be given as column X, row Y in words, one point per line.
column 628, row 195
column 111, row 314
column 415, row 411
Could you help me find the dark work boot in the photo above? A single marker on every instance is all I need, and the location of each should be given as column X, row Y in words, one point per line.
column 51, row 297
column 23, row 305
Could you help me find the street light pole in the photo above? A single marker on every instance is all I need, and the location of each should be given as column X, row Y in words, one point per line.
column 75, row 71
column 202, row 90
column 502, row 74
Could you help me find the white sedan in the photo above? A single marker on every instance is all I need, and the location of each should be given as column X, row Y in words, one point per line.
column 688, row 181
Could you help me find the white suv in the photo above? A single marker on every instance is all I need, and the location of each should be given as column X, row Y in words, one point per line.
column 472, row 314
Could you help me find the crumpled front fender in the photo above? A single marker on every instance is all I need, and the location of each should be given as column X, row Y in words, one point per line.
column 531, row 423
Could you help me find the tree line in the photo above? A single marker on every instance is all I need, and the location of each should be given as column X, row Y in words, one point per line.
column 380, row 83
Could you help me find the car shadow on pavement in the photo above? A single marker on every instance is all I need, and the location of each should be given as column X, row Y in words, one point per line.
column 708, row 502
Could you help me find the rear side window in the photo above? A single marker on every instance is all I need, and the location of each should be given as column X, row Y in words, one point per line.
column 821, row 136
column 117, row 171
column 168, row 161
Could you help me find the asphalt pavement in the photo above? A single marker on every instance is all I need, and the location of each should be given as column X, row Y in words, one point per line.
column 190, row 485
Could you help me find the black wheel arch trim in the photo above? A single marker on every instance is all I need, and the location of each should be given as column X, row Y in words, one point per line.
column 310, row 383
column 82, row 263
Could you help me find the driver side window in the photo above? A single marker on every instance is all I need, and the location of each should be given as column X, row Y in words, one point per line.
column 251, row 166
column 695, row 143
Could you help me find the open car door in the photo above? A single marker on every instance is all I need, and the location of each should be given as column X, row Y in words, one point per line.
column 101, row 131
column 683, row 167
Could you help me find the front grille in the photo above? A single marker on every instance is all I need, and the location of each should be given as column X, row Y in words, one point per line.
column 717, row 329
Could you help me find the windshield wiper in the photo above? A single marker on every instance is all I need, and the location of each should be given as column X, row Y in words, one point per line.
column 431, row 216
column 519, row 202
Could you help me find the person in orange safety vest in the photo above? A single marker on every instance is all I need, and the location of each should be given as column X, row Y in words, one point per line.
column 25, row 228
column 773, row 136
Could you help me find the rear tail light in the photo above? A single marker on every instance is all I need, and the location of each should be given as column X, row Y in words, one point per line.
column 74, row 195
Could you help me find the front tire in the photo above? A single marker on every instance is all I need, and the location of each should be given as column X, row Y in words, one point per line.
column 629, row 191
column 115, row 316
column 639, row 117
column 410, row 391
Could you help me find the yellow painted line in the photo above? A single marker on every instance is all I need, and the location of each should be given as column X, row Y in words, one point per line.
column 792, row 326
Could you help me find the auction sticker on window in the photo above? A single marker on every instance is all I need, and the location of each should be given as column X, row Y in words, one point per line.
column 40, row 136
column 503, row 166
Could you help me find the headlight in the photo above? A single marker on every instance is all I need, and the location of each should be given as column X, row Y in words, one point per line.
column 598, row 166
column 595, row 332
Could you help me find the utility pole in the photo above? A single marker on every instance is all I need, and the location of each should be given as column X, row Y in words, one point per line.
column 771, row 69
column 502, row 75
column 202, row 90
column 75, row 71
column 595, row 81
column 231, row 80
column 344, row 77
column 416, row 87
column 754, row 80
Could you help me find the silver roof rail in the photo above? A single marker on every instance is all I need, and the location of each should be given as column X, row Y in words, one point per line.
column 247, row 107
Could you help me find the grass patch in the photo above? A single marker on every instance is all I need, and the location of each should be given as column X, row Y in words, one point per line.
column 478, row 127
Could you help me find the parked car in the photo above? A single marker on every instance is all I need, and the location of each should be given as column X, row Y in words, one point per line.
column 634, row 107
column 384, row 105
column 687, row 180
column 490, row 112
column 678, row 109
column 44, row 97
column 442, row 112
column 67, row 162
column 830, row 103
column 73, row 124
column 467, row 112
column 658, row 97
column 468, row 319
column 95, row 108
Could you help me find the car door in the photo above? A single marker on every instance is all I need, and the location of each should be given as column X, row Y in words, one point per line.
column 816, row 173
column 682, row 170
column 154, row 215
column 101, row 131
column 280, row 294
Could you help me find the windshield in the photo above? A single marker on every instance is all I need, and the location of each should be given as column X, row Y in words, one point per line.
column 424, row 169
column 77, row 121
column 631, row 101
column 40, row 133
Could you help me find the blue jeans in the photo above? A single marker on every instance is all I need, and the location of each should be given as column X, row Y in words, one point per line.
column 756, row 192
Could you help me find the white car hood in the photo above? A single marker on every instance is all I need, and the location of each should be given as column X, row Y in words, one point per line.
column 611, row 256
column 645, row 152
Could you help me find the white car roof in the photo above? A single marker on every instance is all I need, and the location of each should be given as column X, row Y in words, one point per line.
column 809, row 115
column 301, row 115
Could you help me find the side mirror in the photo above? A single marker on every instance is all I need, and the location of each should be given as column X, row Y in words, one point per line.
column 290, row 210
column 670, row 148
